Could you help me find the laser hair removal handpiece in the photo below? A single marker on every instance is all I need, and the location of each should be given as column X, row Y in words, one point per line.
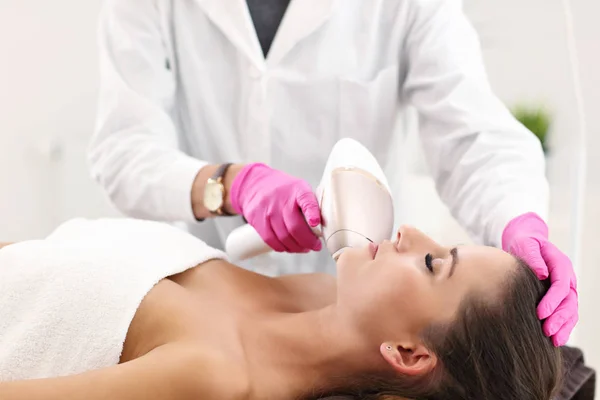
column 355, row 201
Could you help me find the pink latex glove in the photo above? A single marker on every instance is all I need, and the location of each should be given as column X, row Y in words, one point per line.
column 278, row 206
column 526, row 237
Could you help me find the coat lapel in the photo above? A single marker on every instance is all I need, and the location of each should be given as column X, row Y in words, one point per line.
column 234, row 20
column 302, row 18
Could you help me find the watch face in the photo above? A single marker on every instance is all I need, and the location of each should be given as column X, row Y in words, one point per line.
column 213, row 196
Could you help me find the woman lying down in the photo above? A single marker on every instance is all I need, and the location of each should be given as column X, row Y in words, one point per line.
column 125, row 309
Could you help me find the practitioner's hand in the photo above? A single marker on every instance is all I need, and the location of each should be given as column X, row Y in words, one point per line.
column 526, row 237
column 278, row 206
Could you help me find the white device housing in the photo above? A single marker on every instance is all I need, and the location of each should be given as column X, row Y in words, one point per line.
column 355, row 201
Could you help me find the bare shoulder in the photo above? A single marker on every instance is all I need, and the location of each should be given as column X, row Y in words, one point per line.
column 210, row 375
column 312, row 291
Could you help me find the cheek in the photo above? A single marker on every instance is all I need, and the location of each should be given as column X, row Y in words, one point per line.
column 352, row 267
column 406, row 288
column 410, row 294
column 391, row 286
column 403, row 276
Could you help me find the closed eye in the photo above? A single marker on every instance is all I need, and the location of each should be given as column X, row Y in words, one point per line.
column 428, row 262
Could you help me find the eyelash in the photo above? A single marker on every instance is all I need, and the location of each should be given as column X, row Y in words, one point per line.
column 428, row 260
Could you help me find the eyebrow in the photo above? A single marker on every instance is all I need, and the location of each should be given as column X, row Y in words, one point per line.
column 454, row 254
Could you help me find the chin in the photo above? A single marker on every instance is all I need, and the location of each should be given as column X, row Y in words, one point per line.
column 353, row 259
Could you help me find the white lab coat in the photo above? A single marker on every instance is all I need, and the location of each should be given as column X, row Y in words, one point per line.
column 184, row 83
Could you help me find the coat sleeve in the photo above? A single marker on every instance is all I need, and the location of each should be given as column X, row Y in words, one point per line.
column 134, row 153
column 488, row 167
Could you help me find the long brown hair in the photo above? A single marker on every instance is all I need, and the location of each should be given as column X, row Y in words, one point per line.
column 492, row 351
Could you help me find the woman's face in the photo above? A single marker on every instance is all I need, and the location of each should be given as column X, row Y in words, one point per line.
column 396, row 289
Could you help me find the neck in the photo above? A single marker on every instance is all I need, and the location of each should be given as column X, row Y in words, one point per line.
column 306, row 354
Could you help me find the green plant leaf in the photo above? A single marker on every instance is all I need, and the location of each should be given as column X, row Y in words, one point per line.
column 536, row 119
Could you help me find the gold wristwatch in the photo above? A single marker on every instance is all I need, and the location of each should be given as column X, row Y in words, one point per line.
column 215, row 192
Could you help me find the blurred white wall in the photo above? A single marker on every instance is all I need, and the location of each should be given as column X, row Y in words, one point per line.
column 48, row 83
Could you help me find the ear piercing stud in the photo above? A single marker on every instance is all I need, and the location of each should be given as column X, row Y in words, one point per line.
column 388, row 347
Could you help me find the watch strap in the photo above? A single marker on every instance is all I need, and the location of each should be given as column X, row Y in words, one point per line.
column 218, row 176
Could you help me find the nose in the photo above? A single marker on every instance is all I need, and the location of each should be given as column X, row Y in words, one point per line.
column 404, row 230
column 403, row 236
column 399, row 234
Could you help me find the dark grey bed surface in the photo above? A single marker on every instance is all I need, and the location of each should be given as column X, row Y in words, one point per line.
column 580, row 380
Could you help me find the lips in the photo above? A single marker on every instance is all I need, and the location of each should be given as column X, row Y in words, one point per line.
column 373, row 249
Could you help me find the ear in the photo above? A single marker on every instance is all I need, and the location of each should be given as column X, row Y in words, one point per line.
column 409, row 359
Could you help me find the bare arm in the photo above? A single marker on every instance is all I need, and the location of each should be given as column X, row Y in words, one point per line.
column 4, row 244
column 168, row 372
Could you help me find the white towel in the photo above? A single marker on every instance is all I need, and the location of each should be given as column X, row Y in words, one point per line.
column 66, row 302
